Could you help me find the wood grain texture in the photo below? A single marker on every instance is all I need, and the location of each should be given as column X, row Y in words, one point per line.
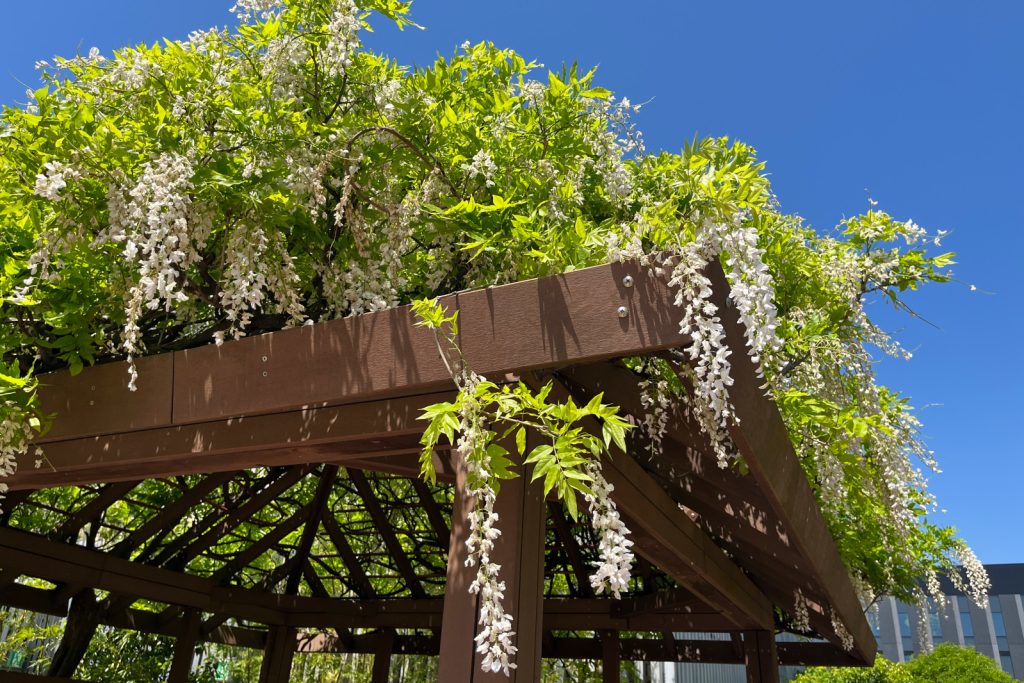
column 97, row 401
column 763, row 440
column 297, row 437
column 547, row 322
column 674, row 543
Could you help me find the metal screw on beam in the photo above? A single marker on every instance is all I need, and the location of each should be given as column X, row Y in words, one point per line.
column 623, row 312
column 627, row 281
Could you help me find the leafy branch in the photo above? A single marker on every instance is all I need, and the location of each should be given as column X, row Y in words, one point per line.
column 514, row 410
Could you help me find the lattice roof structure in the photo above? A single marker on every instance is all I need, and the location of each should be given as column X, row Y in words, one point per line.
column 265, row 494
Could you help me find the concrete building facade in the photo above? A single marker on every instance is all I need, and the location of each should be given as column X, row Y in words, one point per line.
column 996, row 631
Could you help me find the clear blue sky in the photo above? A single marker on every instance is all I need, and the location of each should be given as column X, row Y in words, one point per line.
column 917, row 102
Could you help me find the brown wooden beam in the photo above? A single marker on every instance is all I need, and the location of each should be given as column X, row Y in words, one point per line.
column 457, row 649
column 764, row 442
column 387, row 533
column 559, row 320
column 610, row 657
column 10, row 500
column 360, row 583
column 185, row 647
column 760, row 657
column 264, row 543
column 600, row 614
column 519, row 550
column 316, row 585
column 805, row 653
column 433, row 510
column 55, row 561
column 673, row 542
column 158, row 549
column 670, row 598
column 91, row 511
column 316, row 513
column 572, row 549
column 730, row 507
column 44, row 602
column 278, row 655
column 184, row 549
column 313, row 435
column 170, row 514
column 382, row 657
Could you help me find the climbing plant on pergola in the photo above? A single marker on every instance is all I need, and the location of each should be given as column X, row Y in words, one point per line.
column 305, row 527
column 632, row 396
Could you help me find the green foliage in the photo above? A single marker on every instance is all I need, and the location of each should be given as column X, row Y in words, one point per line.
column 952, row 664
column 322, row 180
column 883, row 671
column 562, row 426
column 946, row 664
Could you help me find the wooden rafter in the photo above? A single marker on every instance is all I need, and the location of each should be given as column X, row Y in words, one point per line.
column 316, row 513
column 360, row 583
column 170, row 514
column 572, row 549
column 736, row 545
column 178, row 555
column 91, row 511
column 433, row 510
column 764, row 442
column 387, row 533
column 672, row 541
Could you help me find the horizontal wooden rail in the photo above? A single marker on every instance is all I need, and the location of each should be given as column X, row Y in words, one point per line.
column 314, row 435
column 547, row 322
column 696, row 650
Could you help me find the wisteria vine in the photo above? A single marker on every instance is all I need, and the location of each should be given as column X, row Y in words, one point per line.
column 280, row 173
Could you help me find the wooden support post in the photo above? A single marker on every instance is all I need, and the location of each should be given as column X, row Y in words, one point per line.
column 761, row 657
column 610, row 657
column 458, row 624
column 83, row 618
column 277, row 655
column 520, row 552
column 185, row 647
column 382, row 657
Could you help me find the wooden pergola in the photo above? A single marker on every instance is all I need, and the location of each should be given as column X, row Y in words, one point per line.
column 275, row 500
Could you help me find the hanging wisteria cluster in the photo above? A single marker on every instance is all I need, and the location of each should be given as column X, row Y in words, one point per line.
column 280, row 173
column 495, row 641
column 565, row 459
column 615, row 557
column 708, row 375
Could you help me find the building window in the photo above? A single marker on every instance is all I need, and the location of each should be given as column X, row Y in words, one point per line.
column 966, row 625
column 872, row 616
column 998, row 624
column 904, row 616
column 935, row 622
column 1007, row 663
column 906, row 634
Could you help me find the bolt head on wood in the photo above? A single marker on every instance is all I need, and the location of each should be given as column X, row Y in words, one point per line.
column 623, row 312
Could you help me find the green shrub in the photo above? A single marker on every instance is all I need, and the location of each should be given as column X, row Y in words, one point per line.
column 883, row 671
column 952, row 664
column 947, row 664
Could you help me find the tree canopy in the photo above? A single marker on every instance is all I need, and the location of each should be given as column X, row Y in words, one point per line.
column 279, row 174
